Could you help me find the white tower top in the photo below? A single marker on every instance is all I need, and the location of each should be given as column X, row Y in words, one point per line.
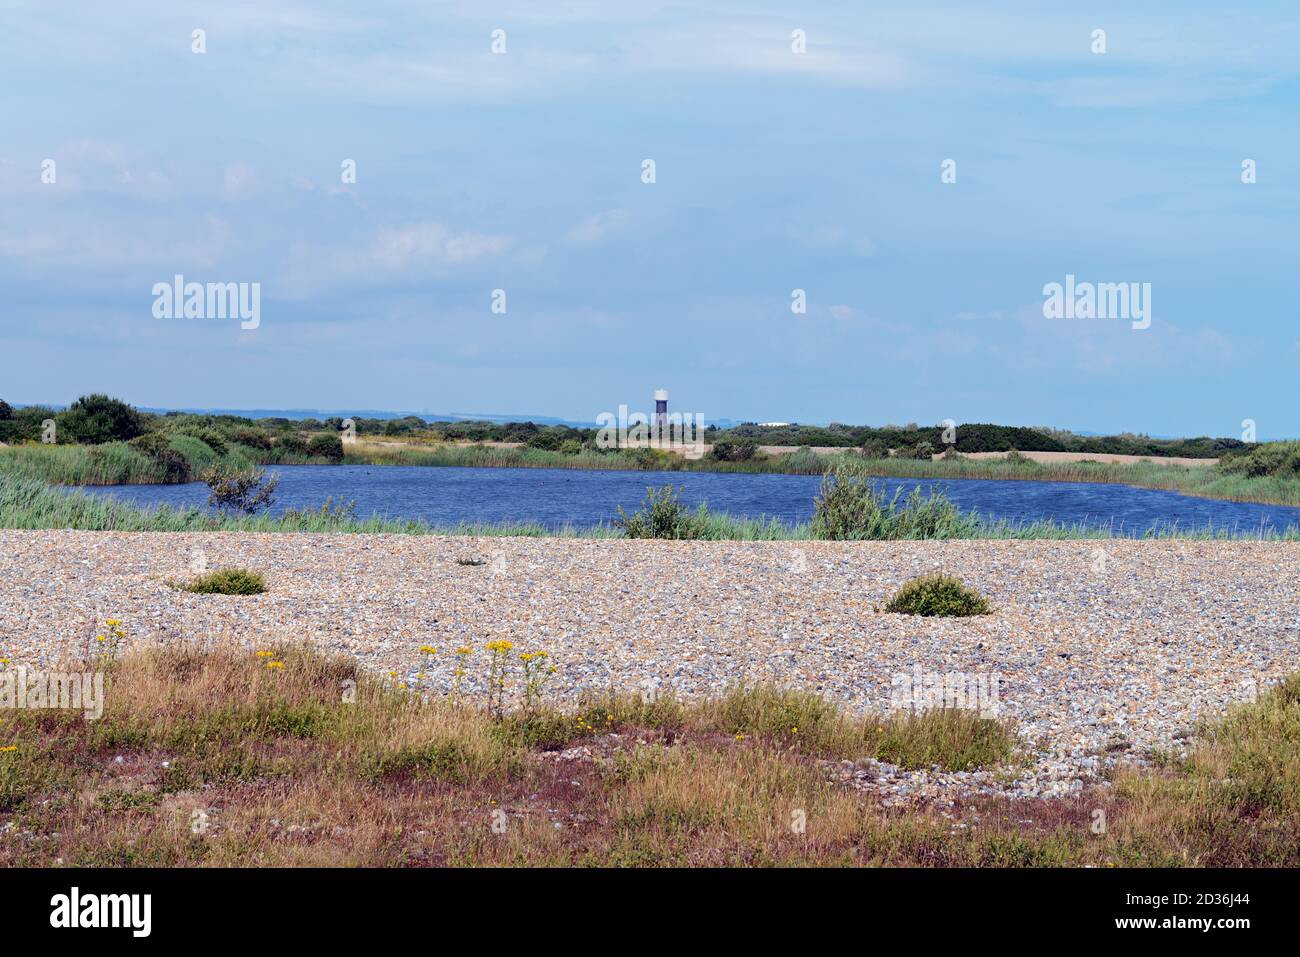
column 661, row 395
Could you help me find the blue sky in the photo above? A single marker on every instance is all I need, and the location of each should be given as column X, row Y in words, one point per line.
column 775, row 171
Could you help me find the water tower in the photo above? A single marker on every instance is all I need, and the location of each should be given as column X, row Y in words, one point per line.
column 661, row 411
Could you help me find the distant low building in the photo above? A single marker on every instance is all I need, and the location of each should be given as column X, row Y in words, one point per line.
column 773, row 425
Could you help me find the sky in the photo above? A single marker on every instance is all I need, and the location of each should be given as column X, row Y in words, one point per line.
column 775, row 170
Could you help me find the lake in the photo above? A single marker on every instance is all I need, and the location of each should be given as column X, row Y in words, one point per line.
column 556, row 497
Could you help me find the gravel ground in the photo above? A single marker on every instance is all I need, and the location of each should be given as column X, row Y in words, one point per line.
column 1099, row 651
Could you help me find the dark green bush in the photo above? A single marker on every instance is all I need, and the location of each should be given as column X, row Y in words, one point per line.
column 1266, row 458
column 96, row 419
column 941, row 595
column 226, row 581
column 292, row 443
column 253, row 438
column 546, row 439
column 326, row 445
column 729, row 450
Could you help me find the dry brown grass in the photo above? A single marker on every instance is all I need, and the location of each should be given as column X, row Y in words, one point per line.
column 210, row 758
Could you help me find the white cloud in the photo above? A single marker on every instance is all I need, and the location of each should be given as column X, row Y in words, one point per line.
column 430, row 244
column 413, row 251
column 831, row 238
column 599, row 227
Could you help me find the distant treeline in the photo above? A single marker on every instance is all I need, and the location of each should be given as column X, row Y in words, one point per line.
column 910, row 440
column 979, row 437
column 96, row 419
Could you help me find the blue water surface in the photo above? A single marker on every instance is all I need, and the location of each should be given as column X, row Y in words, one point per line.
column 582, row 498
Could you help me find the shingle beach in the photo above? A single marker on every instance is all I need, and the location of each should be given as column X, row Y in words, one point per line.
column 1100, row 650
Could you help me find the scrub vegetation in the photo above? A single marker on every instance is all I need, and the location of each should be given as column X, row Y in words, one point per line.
column 283, row 757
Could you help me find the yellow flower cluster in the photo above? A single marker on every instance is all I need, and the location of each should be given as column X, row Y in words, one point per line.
column 112, row 638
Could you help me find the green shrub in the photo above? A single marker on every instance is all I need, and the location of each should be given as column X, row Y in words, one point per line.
column 326, row 445
column 209, row 437
column 226, row 581
column 1267, row 458
column 546, row 439
column 874, row 449
column 661, row 516
column 570, row 447
column 253, row 438
column 652, row 460
column 244, row 491
column 938, row 595
column 851, row 508
column 95, row 419
column 292, row 443
column 728, row 450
